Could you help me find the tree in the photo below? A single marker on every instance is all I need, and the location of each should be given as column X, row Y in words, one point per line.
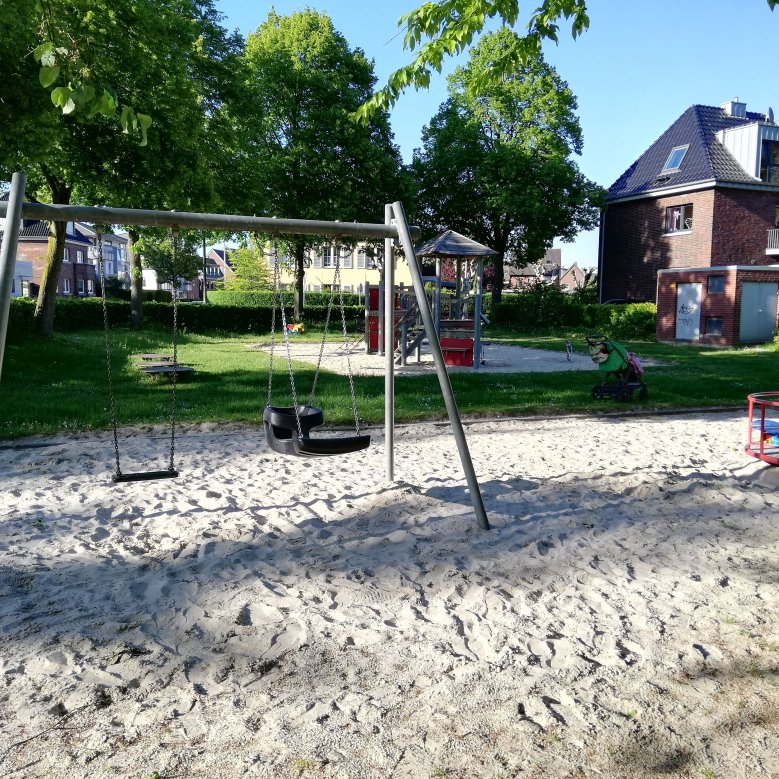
column 171, row 55
column 169, row 257
column 448, row 27
column 496, row 162
column 251, row 270
column 299, row 153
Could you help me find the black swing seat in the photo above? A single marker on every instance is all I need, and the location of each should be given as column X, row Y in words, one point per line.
column 283, row 436
column 169, row 473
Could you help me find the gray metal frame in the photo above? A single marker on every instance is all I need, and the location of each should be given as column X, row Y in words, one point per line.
column 394, row 228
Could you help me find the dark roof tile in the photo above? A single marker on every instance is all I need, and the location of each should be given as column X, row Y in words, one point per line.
column 706, row 158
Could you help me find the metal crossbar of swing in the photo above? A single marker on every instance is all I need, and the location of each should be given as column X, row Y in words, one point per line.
column 395, row 227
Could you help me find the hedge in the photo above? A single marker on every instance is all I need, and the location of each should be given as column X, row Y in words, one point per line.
column 535, row 309
column 226, row 297
column 87, row 313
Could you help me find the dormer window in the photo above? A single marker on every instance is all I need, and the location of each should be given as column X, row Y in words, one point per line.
column 675, row 158
column 769, row 162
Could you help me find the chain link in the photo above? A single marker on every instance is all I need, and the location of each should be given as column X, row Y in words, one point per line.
column 337, row 278
column 174, row 294
column 107, row 335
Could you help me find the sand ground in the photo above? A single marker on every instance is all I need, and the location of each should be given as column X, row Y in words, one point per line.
column 271, row 617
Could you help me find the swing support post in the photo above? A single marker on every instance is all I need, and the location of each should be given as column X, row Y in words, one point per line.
column 440, row 366
column 389, row 351
column 8, row 253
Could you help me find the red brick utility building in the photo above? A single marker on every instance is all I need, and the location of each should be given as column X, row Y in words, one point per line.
column 693, row 224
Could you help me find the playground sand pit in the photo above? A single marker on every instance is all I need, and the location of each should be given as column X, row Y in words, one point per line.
column 338, row 357
column 271, row 617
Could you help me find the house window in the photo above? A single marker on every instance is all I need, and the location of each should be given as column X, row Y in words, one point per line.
column 90, row 286
column 66, row 255
column 346, row 259
column 713, row 325
column 66, row 286
column 361, row 259
column 80, row 256
column 769, row 162
column 678, row 219
column 328, row 257
column 82, row 287
column 317, row 287
column 347, row 288
column 716, row 284
column 675, row 158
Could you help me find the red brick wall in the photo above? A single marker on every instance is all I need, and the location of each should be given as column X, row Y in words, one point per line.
column 35, row 252
column 742, row 219
column 714, row 304
column 636, row 246
column 726, row 305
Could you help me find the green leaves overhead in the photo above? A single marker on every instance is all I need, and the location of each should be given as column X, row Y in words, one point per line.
column 81, row 93
column 448, row 27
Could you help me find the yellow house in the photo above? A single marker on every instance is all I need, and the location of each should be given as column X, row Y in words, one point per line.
column 359, row 267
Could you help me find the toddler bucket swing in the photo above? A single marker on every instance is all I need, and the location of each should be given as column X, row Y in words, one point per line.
column 288, row 428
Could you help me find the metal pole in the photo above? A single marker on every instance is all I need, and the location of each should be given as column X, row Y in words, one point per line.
column 477, row 320
column 230, row 222
column 438, row 313
column 389, row 351
column 8, row 253
column 205, row 266
column 443, row 376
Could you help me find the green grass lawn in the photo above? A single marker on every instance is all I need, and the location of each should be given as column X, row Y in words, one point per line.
column 56, row 385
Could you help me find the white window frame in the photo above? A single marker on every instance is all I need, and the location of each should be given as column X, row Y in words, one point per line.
column 362, row 258
column 66, row 254
column 328, row 257
column 66, row 288
column 81, row 286
column 80, row 256
column 90, row 286
column 681, row 224
column 347, row 259
column 668, row 168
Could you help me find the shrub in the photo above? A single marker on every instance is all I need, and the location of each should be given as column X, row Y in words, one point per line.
column 20, row 317
column 545, row 306
column 225, row 297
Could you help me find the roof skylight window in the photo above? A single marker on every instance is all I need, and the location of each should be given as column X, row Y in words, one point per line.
column 675, row 158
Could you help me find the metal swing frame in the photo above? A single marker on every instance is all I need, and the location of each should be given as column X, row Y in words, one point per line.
column 395, row 228
column 288, row 428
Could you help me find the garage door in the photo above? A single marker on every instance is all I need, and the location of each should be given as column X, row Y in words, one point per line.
column 758, row 310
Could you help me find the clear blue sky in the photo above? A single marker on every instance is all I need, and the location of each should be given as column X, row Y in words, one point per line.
column 638, row 67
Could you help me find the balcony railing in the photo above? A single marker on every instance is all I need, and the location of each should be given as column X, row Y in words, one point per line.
column 773, row 242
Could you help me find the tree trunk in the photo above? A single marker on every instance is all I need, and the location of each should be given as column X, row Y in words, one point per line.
column 43, row 319
column 136, row 282
column 497, row 281
column 300, row 272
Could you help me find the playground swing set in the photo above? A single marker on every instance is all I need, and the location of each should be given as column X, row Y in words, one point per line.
column 288, row 429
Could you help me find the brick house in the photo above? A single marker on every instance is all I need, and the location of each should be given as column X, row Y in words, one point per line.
column 77, row 276
column 692, row 224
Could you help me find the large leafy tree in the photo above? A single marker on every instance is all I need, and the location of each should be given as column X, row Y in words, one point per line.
column 169, row 57
column 300, row 154
column 437, row 30
column 496, row 161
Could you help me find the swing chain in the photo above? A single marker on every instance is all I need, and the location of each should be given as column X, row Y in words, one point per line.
column 107, row 336
column 277, row 291
column 276, row 284
column 337, row 280
column 174, row 295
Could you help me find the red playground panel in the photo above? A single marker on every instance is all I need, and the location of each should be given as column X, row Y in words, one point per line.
column 458, row 351
column 763, row 436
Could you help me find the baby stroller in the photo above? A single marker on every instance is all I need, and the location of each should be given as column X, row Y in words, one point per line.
column 623, row 372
